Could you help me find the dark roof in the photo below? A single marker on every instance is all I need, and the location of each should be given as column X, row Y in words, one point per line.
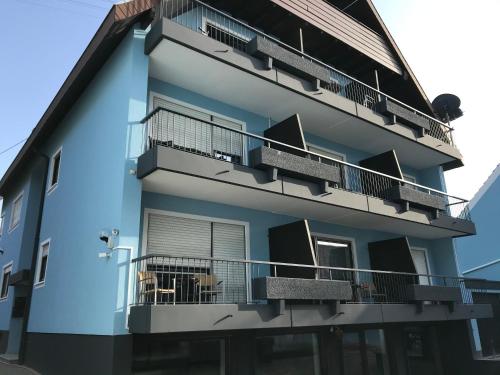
column 112, row 30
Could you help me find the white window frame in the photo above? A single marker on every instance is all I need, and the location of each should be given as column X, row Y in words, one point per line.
column 330, row 151
column 51, row 187
column 13, row 225
column 326, row 150
column 351, row 240
column 211, row 219
column 7, row 267
column 38, row 283
column 208, row 21
column 427, row 262
column 153, row 94
column 2, row 221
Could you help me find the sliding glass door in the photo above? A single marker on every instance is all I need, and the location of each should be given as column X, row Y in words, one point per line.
column 294, row 354
column 332, row 252
column 364, row 353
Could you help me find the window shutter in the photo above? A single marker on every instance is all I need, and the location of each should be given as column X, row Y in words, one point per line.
column 229, row 243
column 183, row 237
column 226, row 141
column 191, row 129
column 187, row 128
column 176, row 236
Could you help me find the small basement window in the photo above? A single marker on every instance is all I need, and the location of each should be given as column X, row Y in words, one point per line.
column 7, row 271
column 43, row 258
column 55, row 166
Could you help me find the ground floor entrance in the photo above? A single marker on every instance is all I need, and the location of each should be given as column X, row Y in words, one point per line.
column 396, row 349
column 426, row 348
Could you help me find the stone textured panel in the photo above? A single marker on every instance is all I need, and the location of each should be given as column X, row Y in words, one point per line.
column 265, row 157
column 390, row 108
column 416, row 197
column 433, row 293
column 285, row 59
column 302, row 289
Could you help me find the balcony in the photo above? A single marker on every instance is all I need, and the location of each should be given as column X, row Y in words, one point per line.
column 175, row 293
column 206, row 51
column 197, row 159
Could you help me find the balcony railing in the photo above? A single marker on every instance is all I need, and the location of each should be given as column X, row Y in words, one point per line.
column 220, row 26
column 163, row 279
column 171, row 129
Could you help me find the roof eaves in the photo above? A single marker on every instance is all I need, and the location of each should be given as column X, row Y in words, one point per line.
column 406, row 66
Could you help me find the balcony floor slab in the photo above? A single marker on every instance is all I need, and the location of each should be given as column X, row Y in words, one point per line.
column 174, row 172
column 195, row 62
column 219, row 317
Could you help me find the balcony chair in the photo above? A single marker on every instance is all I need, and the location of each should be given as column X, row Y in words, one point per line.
column 148, row 282
column 368, row 292
column 207, row 286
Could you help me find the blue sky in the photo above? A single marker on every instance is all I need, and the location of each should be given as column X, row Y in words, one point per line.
column 447, row 43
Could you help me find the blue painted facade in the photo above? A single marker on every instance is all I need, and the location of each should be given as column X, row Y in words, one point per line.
column 101, row 138
column 440, row 251
column 11, row 242
column 479, row 256
column 482, row 249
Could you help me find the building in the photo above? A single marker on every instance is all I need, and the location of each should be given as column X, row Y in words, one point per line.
column 484, row 262
column 231, row 188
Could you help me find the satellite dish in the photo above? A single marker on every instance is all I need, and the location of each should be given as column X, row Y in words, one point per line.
column 447, row 107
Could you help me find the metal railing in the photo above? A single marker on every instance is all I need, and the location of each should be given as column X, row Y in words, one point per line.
column 163, row 279
column 209, row 21
column 171, row 129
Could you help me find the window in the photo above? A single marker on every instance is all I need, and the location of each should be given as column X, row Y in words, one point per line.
column 364, row 353
column 288, row 354
column 41, row 267
column 1, row 224
column 332, row 252
column 226, row 36
column 155, row 355
column 328, row 153
column 419, row 256
column 55, row 166
column 332, row 155
column 15, row 216
column 195, row 130
column 187, row 236
column 7, row 271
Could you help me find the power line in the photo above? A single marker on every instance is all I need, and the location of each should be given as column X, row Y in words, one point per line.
column 53, row 6
column 11, row 147
column 82, row 3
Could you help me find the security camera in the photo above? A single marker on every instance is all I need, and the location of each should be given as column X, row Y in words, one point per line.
column 104, row 236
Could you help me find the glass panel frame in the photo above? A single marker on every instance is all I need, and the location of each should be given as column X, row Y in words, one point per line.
column 291, row 354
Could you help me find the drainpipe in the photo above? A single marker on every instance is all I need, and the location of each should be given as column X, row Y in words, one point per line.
column 27, row 307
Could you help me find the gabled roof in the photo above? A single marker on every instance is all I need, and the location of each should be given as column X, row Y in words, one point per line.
column 112, row 30
column 486, row 186
column 374, row 41
column 400, row 55
column 345, row 28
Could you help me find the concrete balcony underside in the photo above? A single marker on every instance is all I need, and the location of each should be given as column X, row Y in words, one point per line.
column 175, row 172
column 198, row 63
column 185, row 318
